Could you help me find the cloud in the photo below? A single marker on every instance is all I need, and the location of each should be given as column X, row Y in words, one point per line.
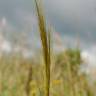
column 72, row 16
column 5, row 45
column 89, row 58
column 67, row 16
column 30, row 37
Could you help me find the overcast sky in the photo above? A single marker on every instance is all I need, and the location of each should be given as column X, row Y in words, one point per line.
column 69, row 18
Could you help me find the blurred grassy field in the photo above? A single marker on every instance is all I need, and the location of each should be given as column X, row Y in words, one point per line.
column 16, row 80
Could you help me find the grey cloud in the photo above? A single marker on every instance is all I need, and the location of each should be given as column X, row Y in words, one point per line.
column 77, row 15
column 69, row 17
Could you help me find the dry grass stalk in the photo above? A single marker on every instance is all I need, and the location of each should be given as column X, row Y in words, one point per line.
column 45, row 40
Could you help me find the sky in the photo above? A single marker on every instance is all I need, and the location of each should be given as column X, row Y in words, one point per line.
column 72, row 20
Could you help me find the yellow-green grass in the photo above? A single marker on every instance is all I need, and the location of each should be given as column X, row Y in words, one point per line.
column 45, row 42
column 14, row 74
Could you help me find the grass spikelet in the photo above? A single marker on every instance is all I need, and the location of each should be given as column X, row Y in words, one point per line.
column 45, row 40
